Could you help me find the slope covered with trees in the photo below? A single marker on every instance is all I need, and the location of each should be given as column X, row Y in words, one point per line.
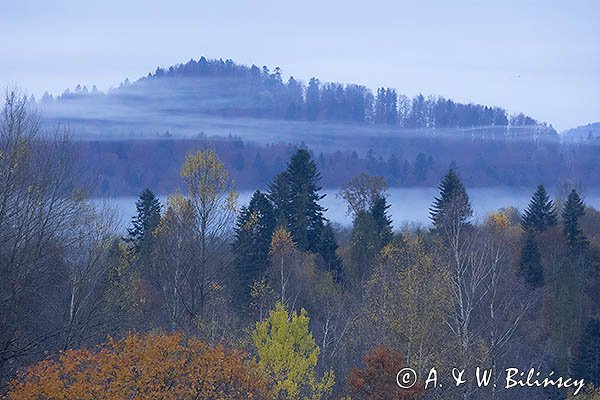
column 226, row 89
column 272, row 301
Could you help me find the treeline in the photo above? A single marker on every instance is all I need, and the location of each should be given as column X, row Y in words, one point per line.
column 242, row 91
column 203, row 298
column 125, row 168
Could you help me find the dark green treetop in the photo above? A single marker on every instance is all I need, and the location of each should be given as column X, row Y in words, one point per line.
column 530, row 264
column 253, row 231
column 573, row 210
column 540, row 214
column 452, row 207
column 145, row 221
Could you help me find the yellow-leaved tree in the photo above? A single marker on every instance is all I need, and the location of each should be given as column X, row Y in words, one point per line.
column 213, row 204
column 143, row 367
column 288, row 354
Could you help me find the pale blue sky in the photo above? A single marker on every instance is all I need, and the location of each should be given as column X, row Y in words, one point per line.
column 542, row 58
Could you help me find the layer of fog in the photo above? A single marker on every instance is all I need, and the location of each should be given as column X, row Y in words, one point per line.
column 408, row 206
column 181, row 108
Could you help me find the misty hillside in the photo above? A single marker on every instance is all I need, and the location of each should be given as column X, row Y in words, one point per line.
column 219, row 97
column 590, row 132
column 255, row 120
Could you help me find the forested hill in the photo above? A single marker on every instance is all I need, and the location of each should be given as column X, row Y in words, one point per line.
column 204, row 94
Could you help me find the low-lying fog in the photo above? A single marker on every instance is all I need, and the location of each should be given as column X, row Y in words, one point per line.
column 407, row 205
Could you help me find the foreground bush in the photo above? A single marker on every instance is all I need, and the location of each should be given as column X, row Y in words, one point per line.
column 143, row 367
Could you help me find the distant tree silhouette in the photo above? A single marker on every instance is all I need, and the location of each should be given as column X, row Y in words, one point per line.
column 572, row 211
column 540, row 214
column 452, row 207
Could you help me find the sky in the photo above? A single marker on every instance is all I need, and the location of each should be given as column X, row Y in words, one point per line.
column 541, row 58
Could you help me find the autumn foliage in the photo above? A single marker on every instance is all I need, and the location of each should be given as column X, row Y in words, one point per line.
column 143, row 367
column 377, row 380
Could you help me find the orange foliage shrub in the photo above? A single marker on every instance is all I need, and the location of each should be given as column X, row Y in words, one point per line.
column 143, row 367
column 377, row 380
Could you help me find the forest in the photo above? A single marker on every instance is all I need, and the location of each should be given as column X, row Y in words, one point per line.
column 224, row 89
column 127, row 167
column 205, row 298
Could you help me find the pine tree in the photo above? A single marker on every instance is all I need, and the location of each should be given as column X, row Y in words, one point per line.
column 144, row 222
column 452, row 207
column 328, row 249
column 254, row 227
column 586, row 364
column 572, row 211
column 531, row 265
column 540, row 214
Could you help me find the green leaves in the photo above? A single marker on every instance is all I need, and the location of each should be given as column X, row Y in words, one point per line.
column 288, row 354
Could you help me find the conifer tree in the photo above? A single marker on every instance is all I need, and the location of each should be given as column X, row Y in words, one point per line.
column 586, row 364
column 279, row 195
column 452, row 207
column 371, row 231
column 572, row 211
column 295, row 196
column 540, row 214
column 328, row 249
column 382, row 221
column 531, row 265
column 253, row 230
column 145, row 221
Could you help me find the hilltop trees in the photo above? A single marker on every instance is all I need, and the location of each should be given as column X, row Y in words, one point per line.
column 271, row 97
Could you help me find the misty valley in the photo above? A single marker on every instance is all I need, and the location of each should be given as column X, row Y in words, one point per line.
column 409, row 207
column 219, row 231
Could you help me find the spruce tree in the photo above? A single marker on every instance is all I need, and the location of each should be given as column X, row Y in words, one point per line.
column 279, row 195
column 586, row 364
column 383, row 222
column 540, row 214
column 452, row 207
column 295, row 196
column 531, row 265
column 371, row 232
column 253, row 230
column 144, row 222
column 328, row 250
column 572, row 211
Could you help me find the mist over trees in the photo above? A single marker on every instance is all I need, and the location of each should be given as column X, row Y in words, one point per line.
column 203, row 297
column 227, row 89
